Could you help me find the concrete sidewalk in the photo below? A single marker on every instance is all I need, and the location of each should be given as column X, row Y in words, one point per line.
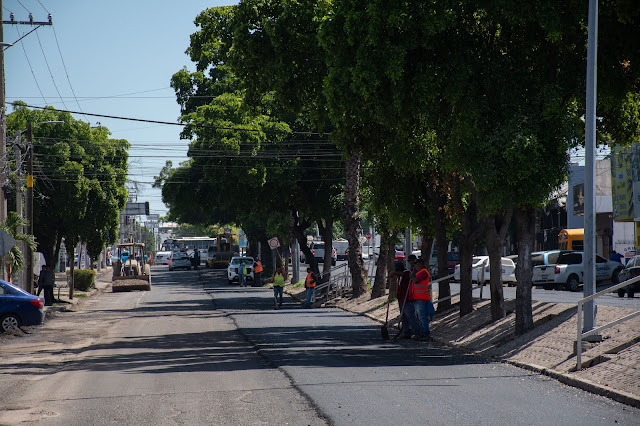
column 610, row 368
column 61, row 291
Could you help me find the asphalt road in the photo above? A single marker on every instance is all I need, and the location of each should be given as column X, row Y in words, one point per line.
column 196, row 350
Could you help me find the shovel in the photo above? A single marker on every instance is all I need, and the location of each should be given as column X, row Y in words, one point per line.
column 384, row 330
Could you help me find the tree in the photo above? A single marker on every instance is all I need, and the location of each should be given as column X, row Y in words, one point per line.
column 79, row 180
column 15, row 260
column 280, row 171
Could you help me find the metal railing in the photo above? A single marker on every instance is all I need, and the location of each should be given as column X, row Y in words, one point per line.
column 340, row 281
column 596, row 330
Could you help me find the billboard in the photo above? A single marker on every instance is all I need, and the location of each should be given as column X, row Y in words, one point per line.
column 578, row 199
column 622, row 183
column 136, row 209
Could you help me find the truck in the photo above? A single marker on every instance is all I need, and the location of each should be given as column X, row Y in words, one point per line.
column 568, row 271
column 130, row 269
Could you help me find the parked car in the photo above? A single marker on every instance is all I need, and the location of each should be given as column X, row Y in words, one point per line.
column 19, row 308
column 544, row 264
column 632, row 270
column 481, row 270
column 179, row 259
column 317, row 249
column 399, row 256
column 453, row 259
column 162, row 257
column 232, row 269
column 568, row 272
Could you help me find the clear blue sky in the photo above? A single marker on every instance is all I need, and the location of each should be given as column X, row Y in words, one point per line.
column 119, row 58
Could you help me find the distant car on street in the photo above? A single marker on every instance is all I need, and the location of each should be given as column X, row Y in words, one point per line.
column 179, row 259
column 232, row 269
column 632, row 270
column 162, row 257
column 481, row 270
column 19, row 308
column 317, row 249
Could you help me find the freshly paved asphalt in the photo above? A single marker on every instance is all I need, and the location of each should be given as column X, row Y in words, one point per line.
column 339, row 361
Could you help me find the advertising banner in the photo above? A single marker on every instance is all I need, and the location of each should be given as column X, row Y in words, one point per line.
column 622, row 183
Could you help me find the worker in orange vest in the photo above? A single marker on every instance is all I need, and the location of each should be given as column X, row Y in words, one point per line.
column 310, row 286
column 257, row 272
column 420, row 294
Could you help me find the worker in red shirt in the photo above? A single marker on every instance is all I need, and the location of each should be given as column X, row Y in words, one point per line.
column 420, row 294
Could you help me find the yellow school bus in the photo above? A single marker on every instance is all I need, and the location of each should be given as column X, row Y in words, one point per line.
column 571, row 239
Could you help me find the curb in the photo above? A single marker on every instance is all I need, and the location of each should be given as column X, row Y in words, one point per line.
column 586, row 385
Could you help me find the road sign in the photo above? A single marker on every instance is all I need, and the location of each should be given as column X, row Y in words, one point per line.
column 136, row 209
column 6, row 242
column 368, row 235
column 274, row 243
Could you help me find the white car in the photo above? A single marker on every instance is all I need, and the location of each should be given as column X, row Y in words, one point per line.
column 481, row 270
column 568, row 272
column 232, row 269
column 179, row 259
column 162, row 257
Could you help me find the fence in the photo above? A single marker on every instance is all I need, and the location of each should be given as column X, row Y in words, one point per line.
column 596, row 330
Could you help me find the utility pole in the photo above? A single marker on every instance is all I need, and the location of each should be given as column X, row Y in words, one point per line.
column 3, row 109
column 29, row 206
column 3, row 125
column 18, row 156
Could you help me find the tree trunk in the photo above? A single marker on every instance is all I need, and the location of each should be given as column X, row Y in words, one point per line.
column 298, row 227
column 496, row 230
column 352, row 224
column 425, row 248
column 390, row 249
column 526, row 218
column 379, row 285
column 438, row 202
column 471, row 231
column 326, row 231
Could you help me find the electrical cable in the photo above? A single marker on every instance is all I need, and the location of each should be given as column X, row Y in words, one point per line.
column 64, row 66
column 171, row 123
column 53, row 80
column 29, row 62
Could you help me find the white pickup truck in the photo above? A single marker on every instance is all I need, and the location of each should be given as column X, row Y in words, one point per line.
column 568, row 272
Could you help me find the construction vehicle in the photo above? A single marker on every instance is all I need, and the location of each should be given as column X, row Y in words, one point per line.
column 130, row 269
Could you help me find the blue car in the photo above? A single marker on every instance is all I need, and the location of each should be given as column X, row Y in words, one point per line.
column 18, row 308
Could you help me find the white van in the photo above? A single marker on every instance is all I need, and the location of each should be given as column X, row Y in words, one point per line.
column 162, row 257
column 341, row 247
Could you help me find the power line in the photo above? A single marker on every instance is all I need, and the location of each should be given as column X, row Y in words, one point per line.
column 53, row 80
column 29, row 63
column 64, row 66
column 171, row 123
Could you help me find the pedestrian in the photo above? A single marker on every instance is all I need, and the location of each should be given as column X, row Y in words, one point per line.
column 409, row 321
column 108, row 257
column 310, row 286
column 257, row 272
column 242, row 270
column 616, row 257
column 196, row 258
column 45, row 282
column 278, row 287
column 420, row 294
